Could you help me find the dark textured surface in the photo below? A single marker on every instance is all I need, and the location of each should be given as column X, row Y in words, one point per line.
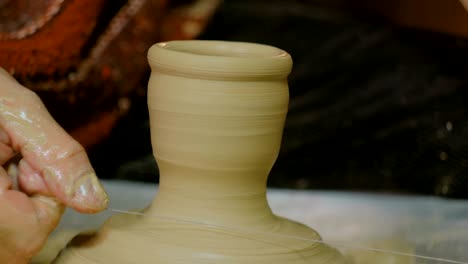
column 373, row 107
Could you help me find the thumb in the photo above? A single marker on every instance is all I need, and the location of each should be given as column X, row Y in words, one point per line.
column 48, row 211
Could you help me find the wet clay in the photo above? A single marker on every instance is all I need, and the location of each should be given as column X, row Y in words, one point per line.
column 356, row 253
column 217, row 112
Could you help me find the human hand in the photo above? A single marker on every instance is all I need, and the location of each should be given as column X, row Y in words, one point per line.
column 54, row 172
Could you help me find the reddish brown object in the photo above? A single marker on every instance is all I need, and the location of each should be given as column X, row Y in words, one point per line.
column 91, row 133
column 56, row 46
column 22, row 18
column 88, row 60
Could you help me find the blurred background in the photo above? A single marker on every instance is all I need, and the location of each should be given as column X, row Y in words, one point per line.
column 379, row 89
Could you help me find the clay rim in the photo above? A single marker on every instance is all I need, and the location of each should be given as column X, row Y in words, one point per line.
column 220, row 59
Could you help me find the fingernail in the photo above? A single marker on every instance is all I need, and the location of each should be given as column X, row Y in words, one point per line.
column 88, row 193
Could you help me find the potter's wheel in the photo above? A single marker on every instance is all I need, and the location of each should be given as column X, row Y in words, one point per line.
column 425, row 225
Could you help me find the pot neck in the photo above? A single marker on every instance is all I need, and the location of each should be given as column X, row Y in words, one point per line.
column 211, row 195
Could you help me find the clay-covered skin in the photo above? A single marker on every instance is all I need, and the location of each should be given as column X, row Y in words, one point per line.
column 54, row 172
column 217, row 111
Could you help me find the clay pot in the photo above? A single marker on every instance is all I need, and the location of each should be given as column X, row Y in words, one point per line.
column 217, row 111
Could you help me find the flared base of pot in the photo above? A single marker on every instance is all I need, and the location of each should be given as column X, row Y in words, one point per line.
column 141, row 239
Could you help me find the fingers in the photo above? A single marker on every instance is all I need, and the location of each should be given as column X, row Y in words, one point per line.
column 26, row 221
column 71, row 178
column 6, row 152
column 5, row 181
column 48, row 150
column 25, row 224
column 30, row 181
